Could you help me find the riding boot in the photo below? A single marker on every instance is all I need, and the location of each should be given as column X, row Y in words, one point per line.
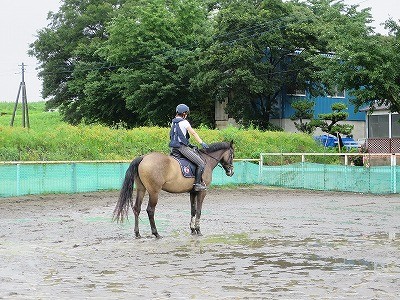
column 198, row 186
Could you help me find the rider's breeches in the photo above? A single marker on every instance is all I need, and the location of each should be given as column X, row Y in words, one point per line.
column 192, row 156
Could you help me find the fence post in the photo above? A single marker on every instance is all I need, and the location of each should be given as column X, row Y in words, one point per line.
column 97, row 175
column 303, row 179
column 18, row 179
column 260, row 167
column 74, row 179
column 393, row 172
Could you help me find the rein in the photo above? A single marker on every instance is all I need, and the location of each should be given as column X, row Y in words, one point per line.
column 219, row 160
column 204, row 152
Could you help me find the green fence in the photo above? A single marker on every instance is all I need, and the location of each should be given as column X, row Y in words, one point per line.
column 379, row 173
column 376, row 180
column 303, row 171
column 18, row 179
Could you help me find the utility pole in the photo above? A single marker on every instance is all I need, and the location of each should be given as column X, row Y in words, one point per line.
column 22, row 89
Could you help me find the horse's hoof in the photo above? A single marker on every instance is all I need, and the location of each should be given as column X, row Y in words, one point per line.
column 157, row 235
column 198, row 232
column 138, row 236
column 193, row 231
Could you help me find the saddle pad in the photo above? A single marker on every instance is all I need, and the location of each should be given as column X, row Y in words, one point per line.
column 187, row 167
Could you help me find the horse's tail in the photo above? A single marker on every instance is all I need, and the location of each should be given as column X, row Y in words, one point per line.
column 125, row 196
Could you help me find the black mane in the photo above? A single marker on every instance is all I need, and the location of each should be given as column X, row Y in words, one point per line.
column 216, row 146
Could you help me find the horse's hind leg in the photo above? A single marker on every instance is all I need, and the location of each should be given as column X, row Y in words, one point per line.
column 136, row 210
column 140, row 192
column 151, row 208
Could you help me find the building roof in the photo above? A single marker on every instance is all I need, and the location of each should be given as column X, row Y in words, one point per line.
column 376, row 107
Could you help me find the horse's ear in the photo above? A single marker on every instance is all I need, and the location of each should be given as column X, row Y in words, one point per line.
column 231, row 143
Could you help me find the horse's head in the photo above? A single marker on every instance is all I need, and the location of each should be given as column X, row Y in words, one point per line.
column 227, row 160
column 222, row 153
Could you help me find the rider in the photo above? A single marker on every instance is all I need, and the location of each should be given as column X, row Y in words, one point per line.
column 179, row 141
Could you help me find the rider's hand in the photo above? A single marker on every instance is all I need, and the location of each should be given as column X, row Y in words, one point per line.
column 204, row 145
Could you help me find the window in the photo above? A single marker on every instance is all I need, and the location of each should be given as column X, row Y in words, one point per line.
column 378, row 126
column 338, row 94
column 395, row 126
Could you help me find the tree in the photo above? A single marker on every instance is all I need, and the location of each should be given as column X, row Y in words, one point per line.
column 133, row 61
column 259, row 48
column 372, row 74
column 153, row 43
column 366, row 64
column 75, row 78
column 333, row 127
column 122, row 60
column 242, row 58
column 304, row 109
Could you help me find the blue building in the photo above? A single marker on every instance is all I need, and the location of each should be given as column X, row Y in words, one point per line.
column 283, row 111
column 379, row 130
column 322, row 105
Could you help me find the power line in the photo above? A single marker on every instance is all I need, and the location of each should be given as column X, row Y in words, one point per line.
column 248, row 32
column 173, row 52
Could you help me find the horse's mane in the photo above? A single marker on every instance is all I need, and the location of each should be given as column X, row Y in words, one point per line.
column 216, row 146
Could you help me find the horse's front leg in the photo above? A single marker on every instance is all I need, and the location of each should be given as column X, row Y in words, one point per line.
column 196, row 213
column 193, row 212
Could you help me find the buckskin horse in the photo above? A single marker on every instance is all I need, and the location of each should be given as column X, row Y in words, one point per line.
column 156, row 171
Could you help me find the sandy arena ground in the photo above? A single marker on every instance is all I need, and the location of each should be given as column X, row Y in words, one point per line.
column 257, row 243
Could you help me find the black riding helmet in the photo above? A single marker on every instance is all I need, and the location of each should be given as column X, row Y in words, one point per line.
column 182, row 108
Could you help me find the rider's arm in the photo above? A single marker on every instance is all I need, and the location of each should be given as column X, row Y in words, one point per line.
column 194, row 134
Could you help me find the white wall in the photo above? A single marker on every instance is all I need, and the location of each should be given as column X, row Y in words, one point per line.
column 359, row 131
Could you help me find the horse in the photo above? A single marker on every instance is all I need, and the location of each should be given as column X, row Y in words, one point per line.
column 155, row 171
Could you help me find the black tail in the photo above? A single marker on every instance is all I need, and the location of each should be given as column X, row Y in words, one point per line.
column 125, row 196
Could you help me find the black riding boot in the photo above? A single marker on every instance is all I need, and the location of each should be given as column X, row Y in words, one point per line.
column 198, row 186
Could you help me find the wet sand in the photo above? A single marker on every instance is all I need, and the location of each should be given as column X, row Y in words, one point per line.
column 257, row 243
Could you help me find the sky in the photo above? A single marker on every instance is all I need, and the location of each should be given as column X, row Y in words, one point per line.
column 21, row 19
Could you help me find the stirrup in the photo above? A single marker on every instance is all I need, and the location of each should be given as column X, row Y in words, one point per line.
column 198, row 187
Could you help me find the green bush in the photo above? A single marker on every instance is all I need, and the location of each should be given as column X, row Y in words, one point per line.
column 51, row 139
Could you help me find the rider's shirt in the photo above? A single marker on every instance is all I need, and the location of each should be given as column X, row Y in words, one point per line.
column 179, row 134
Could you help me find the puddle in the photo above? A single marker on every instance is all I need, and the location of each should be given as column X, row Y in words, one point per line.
column 284, row 245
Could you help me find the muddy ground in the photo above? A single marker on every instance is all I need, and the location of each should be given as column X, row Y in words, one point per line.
column 257, row 243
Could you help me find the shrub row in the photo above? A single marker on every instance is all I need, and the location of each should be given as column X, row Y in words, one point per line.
column 66, row 142
column 50, row 139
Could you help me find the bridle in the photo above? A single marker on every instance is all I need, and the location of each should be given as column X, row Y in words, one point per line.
column 228, row 167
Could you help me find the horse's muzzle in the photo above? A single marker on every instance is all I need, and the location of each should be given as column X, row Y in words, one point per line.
column 229, row 172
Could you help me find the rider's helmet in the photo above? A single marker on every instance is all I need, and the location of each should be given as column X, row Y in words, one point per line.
column 182, row 108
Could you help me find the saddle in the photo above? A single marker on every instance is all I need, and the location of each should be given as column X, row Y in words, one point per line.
column 187, row 167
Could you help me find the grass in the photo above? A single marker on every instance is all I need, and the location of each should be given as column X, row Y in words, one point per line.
column 39, row 119
column 49, row 138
